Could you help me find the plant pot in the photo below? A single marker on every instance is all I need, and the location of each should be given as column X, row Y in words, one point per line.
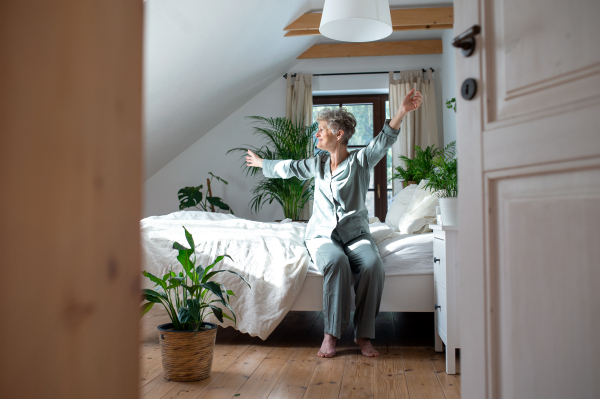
column 449, row 211
column 407, row 183
column 187, row 355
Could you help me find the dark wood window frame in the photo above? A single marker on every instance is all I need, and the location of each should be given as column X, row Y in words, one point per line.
column 380, row 171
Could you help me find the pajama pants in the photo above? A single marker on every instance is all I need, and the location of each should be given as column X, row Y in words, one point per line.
column 339, row 262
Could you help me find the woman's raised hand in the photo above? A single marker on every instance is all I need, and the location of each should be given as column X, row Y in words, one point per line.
column 253, row 160
column 411, row 102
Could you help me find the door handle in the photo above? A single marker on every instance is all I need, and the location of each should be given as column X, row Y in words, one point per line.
column 378, row 191
column 466, row 40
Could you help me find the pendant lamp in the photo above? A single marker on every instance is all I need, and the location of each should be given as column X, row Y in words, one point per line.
column 356, row 20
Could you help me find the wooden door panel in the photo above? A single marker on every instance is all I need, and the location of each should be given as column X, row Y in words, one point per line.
column 542, row 54
column 544, row 272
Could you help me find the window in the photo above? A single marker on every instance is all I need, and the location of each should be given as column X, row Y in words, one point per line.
column 370, row 112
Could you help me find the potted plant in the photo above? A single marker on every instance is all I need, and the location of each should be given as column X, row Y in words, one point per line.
column 187, row 343
column 420, row 166
column 286, row 140
column 444, row 180
column 192, row 197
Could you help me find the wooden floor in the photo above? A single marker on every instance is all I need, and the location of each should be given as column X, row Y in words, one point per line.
column 286, row 364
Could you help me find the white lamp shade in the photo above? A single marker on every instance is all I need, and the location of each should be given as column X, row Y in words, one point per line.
column 356, row 20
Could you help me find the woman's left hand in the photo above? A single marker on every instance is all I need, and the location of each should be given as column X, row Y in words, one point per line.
column 411, row 102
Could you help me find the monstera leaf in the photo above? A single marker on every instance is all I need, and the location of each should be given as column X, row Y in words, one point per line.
column 216, row 201
column 189, row 197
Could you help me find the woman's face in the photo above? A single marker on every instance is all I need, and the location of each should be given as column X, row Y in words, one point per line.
column 328, row 140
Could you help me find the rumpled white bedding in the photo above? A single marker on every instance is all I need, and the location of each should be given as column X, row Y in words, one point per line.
column 271, row 256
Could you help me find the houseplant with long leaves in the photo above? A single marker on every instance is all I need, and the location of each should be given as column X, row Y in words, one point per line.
column 418, row 168
column 285, row 140
column 443, row 179
column 189, row 297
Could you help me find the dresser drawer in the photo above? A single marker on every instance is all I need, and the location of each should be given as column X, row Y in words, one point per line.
column 441, row 313
column 439, row 266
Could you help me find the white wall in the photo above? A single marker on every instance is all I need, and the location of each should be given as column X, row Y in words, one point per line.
column 448, row 79
column 208, row 154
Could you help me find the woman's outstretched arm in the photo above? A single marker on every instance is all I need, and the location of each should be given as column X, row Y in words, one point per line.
column 303, row 169
column 379, row 146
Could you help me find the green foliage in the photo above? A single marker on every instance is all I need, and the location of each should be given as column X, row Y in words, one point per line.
column 286, row 140
column 451, row 104
column 421, row 165
column 192, row 197
column 190, row 296
column 444, row 177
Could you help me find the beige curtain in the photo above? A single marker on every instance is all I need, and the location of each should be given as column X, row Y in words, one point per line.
column 419, row 127
column 299, row 98
column 298, row 107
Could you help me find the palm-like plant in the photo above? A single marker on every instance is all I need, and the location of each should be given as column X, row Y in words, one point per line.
column 286, row 140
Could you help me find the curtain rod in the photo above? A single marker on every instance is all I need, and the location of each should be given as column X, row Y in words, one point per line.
column 352, row 73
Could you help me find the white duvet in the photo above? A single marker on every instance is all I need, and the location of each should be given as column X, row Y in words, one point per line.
column 271, row 256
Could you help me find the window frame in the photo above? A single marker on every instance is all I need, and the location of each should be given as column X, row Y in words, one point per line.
column 380, row 170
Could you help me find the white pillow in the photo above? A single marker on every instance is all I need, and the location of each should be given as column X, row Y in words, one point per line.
column 399, row 206
column 421, row 206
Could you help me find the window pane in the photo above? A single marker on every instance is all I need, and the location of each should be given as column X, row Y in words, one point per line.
column 387, row 110
column 371, row 203
column 364, row 123
column 317, row 108
column 372, row 179
column 389, row 168
column 390, row 197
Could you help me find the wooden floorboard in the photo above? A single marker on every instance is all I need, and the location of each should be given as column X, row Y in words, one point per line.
column 286, row 366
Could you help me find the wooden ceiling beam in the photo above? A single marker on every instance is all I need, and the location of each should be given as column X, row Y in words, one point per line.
column 402, row 17
column 314, row 32
column 373, row 49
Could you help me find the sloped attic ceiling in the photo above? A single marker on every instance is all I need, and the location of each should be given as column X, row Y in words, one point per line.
column 205, row 59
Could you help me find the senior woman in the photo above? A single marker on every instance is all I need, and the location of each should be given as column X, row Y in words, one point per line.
column 337, row 235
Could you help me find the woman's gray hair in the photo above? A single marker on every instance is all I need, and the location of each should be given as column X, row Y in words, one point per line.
column 338, row 119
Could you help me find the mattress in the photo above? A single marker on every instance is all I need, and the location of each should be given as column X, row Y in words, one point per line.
column 402, row 254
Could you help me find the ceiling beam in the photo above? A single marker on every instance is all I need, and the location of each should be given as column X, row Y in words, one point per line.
column 402, row 17
column 373, row 49
column 313, row 32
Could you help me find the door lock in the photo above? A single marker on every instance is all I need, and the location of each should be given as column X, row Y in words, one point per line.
column 468, row 89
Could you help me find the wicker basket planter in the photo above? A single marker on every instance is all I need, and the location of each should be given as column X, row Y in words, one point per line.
column 186, row 355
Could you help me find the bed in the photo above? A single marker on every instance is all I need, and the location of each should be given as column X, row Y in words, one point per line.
column 408, row 276
column 273, row 258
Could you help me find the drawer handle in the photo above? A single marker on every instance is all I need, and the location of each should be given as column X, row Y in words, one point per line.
column 436, row 260
column 436, row 307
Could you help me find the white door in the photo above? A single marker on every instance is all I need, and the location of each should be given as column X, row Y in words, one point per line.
column 529, row 179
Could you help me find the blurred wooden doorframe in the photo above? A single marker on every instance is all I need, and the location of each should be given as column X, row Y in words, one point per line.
column 529, row 199
column 70, row 178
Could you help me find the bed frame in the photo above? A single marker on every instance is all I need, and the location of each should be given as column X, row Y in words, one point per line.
column 401, row 293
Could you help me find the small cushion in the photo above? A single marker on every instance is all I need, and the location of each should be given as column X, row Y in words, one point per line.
column 421, row 206
column 398, row 206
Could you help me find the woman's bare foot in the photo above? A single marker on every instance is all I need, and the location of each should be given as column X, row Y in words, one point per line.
column 328, row 346
column 366, row 348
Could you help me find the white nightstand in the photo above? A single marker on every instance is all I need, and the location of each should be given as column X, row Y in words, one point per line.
column 445, row 273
